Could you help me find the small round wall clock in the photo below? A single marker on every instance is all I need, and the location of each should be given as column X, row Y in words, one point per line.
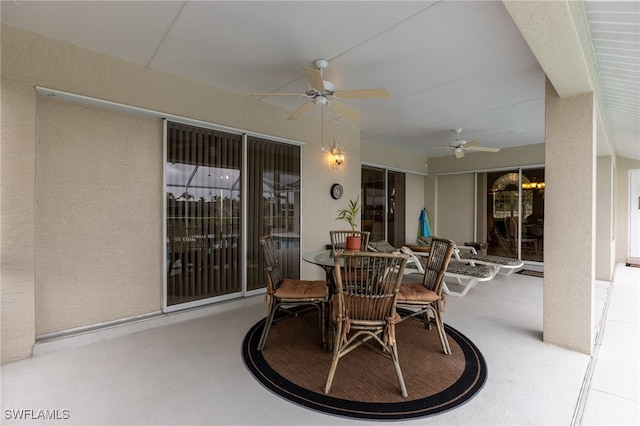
column 336, row 191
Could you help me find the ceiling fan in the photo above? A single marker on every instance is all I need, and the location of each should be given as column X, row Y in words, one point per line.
column 459, row 146
column 323, row 92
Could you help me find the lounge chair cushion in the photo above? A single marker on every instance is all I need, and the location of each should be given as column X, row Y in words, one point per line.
column 416, row 292
column 297, row 289
column 500, row 260
column 382, row 246
column 463, row 268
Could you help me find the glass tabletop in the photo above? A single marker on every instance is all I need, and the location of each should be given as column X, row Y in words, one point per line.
column 323, row 258
column 320, row 257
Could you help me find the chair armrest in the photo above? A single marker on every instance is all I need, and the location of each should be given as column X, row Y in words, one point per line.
column 412, row 252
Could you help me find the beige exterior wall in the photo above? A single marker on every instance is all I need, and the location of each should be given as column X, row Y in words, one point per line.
column 454, row 212
column 528, row 155
column 392, row 158
column 32, row 218
column 17, row 219
column 98, row 215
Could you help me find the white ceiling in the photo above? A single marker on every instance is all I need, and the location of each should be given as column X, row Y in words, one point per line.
column 446, row 64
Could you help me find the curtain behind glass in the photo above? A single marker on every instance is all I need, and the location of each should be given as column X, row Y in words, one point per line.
column 273, row 194
column 203, row 213
column 383, row 205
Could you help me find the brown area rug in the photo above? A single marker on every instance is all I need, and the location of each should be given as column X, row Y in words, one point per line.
column 294, row 365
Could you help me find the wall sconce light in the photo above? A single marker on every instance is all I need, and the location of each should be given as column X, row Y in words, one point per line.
column 338, row 156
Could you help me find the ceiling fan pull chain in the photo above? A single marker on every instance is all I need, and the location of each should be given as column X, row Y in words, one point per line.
column 322, row 129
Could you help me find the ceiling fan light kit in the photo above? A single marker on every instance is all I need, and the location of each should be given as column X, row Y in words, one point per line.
column 459, row 146
column 323, row 92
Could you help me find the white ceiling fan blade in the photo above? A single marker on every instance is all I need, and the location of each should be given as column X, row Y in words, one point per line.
column 279, row 94
column 315, row 79
column 459, row 152
column 300, row 111
column 482, row 148
column 348, row 112
column 472, row 143
column 362, row 94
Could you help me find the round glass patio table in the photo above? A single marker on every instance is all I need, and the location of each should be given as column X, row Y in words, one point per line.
column 324, row 259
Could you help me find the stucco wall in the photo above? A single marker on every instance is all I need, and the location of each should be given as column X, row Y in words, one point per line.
column 17, row 219
column 30, row 60
column 98, row 215
column 390, row 157
column 527, row 155
column 454, row 214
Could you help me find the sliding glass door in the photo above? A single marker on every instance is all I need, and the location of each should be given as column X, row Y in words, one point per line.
column 383, row 207
column 273, row 197
column 217, row 209
column 203, row 187
column 514, row 221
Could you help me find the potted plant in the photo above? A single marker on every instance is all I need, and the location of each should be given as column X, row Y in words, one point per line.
column 350, row 215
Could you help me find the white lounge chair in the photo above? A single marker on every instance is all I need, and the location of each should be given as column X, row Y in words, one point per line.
column 468, row 268
column 505, row 265
column 414, row 264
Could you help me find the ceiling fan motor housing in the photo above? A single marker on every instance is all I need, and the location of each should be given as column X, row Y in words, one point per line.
column 329, row 89
column 320, row 64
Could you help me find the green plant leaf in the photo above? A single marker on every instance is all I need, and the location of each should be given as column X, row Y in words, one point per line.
column 350, row 214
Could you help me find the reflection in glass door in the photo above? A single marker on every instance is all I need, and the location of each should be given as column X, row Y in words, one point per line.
column 203, row 213
column 383, row 207
column 273, row 207
column 515, row 213
column 209, row 252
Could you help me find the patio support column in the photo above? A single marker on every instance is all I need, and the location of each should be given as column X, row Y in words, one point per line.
column 17, row 219
column 605, row 231
column 569, row 244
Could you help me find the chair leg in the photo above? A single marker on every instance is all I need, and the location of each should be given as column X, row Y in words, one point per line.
column 426, row 318
column 273, row 307
column 337, row 346
column 323, row 327
column 396, row 363
column 441, row 333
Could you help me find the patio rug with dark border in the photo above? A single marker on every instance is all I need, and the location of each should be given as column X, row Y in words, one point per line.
column 294, row 366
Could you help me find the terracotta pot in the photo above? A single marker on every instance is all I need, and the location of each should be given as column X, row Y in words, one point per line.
column 353, row 243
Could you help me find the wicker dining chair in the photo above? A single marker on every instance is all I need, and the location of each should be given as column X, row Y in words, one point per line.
column 339, row 239
column 287, row 293
column 428, row 296
column 364, row 306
